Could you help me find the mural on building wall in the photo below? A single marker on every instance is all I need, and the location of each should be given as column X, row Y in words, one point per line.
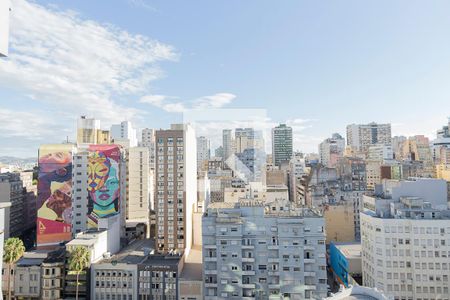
column 103, row 182
column 54, row 202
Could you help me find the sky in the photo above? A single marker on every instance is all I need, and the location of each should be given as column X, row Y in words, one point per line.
column 315, row 65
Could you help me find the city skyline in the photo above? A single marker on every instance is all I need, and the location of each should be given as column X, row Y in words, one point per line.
column 153, row 71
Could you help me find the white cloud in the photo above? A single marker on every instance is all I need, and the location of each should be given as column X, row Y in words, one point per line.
column 172, row 104
column 27, row 125
column 215, row 101
column 79, row 65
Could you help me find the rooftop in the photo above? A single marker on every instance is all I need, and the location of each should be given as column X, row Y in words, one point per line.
column 192, row 269
column 350, row 250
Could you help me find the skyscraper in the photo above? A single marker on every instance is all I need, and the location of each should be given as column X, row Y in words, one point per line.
column 281, row 144
column 176, row 186
column 203, row 151
column 227, row 144
column 148, row 140
column 361, row 136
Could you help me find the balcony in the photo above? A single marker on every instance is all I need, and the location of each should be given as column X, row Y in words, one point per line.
column 248, row 259
column 208, row 259
column 273, row 260
column 311, row 274
column 274, row 286
column 210, row 272
column 273, row 247
column 248, row 247
column 308, row 247
column 274, row 273
column 248, row 286
column 210, row 246
column 309, row 261
column 248, row 272
column 211, row 285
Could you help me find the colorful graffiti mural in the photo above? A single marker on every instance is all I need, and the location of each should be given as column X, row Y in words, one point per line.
column 54, row 201
column 103, row 182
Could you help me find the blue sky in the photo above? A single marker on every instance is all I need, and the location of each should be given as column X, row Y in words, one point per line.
column 317, row 64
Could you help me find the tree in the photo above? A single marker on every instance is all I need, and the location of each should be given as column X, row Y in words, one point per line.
column 12, row 251
column 79, row 260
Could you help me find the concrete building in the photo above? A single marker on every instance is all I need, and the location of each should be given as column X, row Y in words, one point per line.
column 339, row 222
column 380, row 152
column 361, row 136
column 298, row 174
column 203, row 152
column 5, row 7
column 176, row 187
column 29, row 194
column 227, row 144
column 3, row 206
column 266, row 253
column 248, row 139
column 404, row 237
column 331, row 150
column 11, row 190
column 281, row 144
column 138, row 187
column 148, row 140
column 124, row 131
column 137, row 272
column 89, row 132
column 373, row 174
column 442, row 141
column 82, row 175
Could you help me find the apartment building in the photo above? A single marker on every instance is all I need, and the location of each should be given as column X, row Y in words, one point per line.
column 405, row 240
column 11, row 190
column 203, row 152
column 89, row 132
column 176, row 186
column 331, row 150
column 148, row 140
column 361, row 136
column 250, row 250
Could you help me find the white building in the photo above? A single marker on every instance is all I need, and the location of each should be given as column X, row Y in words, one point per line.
column 359, row 293
column 405, row 237
column 281, row 144
column 148, row 140
column 203, row 151
column 124, row 131
column 361, row 136
column 331, row 150
column 5, row 6
column 227, row 143
column 381, row 152
column 250, row 250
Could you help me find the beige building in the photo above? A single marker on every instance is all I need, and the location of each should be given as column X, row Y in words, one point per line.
column 373, row 173
column 339, row 222
column 89, row 132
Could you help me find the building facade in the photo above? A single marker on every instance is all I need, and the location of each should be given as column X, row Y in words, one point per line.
column 361, row 136
column 176, row 186
column 248, row 252
column 281, row 144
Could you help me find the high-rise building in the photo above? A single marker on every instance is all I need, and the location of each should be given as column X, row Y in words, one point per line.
column 203, row 151
column 263, row 253
column 361, row 136
column 11, row 190
column 148, row 140
column 281, row 144
column 248, row 138
column 124, row 131
column 442, row 141
column 99, row 186
column 5, row 7
column 331, row 150
column 404, row 236
column 89, row 132
column 138, row 187
column 227, row 144
column 176, row 186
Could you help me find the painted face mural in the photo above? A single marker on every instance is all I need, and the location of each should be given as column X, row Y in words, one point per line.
column 54, row 200
column 103, row 182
